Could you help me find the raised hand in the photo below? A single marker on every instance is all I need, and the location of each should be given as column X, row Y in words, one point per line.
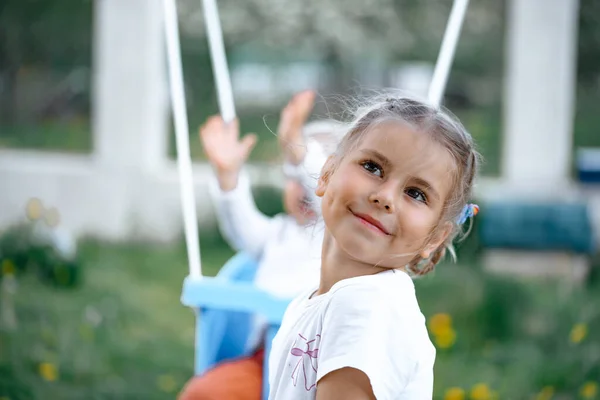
column 224, row 149
column 293, row 118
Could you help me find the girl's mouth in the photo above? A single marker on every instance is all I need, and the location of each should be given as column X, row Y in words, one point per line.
column 371, row 223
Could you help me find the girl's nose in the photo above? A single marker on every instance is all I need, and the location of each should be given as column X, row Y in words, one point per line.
column 382, row 200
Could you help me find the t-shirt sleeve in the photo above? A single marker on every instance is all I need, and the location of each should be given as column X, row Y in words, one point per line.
column 244, row 227
column 365, row 329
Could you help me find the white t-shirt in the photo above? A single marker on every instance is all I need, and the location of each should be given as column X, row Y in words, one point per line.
column 372, row 323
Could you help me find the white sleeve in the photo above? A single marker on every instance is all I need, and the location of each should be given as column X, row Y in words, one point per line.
column 243, row 226
column 362, row 329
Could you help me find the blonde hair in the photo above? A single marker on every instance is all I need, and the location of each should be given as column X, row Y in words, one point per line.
column 444, row 128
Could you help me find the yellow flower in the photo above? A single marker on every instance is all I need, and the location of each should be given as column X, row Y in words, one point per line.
column 48, row 371
column 167, row 383
column 545, row 394
column 481, row 392
column 589, row 390
column 439, row 323
column 34, row 209
column 445, row 339
column 8, row 268
column 578, row 333
column 454, row 393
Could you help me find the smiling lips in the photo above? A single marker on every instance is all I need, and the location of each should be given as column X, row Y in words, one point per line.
column 372, row 223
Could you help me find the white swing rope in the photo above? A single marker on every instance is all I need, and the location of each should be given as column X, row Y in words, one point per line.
column 184, row 161
column 226, row 106
column 447, row 50
column 219, row 60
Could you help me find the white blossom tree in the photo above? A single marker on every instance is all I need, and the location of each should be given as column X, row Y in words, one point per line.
column 347, row 27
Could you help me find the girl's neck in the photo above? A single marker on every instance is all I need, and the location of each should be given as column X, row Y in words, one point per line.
column 337, row 265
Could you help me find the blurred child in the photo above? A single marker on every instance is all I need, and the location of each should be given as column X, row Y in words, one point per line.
column 287, row 246
column 394, row 195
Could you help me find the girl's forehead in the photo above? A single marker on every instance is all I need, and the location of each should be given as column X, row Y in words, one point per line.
column 408, row 150
column 395, row 139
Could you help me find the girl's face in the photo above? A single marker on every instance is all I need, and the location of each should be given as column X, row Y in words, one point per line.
column 384, row 198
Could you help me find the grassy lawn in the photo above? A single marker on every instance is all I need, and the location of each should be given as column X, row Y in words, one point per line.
column 73, row 137
column 511, row 339
column 123, row 334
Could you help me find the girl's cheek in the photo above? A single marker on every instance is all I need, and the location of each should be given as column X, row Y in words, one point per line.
column 419, row 219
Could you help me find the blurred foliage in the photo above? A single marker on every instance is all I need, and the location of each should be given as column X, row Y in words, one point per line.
column 22, row 251
column 588, row 51
column 54, row 35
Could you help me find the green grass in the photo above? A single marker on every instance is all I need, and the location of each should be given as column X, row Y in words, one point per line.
column 122, row 335
column 511, row 336
column 74, row 136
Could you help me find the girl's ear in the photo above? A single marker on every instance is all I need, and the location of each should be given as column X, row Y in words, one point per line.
column 325, row 175
column 438, row 239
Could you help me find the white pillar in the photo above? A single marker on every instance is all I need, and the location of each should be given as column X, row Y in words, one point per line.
column 539, row 93
column 130, row 99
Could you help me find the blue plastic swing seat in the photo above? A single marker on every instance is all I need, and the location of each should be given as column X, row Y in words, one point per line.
column 228, row 304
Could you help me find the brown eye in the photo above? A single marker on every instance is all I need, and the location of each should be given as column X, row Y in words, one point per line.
column 417, row 194
column 372, row 167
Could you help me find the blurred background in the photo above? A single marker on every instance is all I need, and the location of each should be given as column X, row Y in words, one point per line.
column 91, row 248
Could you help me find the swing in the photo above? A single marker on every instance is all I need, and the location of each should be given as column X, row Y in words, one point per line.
column 226, row 304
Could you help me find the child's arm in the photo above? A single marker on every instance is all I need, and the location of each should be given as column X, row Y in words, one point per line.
column 240, row 222
column 346, row 384
column 292, row 120
column 308, row 157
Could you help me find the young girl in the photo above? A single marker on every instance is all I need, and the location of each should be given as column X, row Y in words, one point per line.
column 393, row 196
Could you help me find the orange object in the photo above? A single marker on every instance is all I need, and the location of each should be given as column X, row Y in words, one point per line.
column 233, row 380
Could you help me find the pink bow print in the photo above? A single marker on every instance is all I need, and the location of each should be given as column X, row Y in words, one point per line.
column 308, row 357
